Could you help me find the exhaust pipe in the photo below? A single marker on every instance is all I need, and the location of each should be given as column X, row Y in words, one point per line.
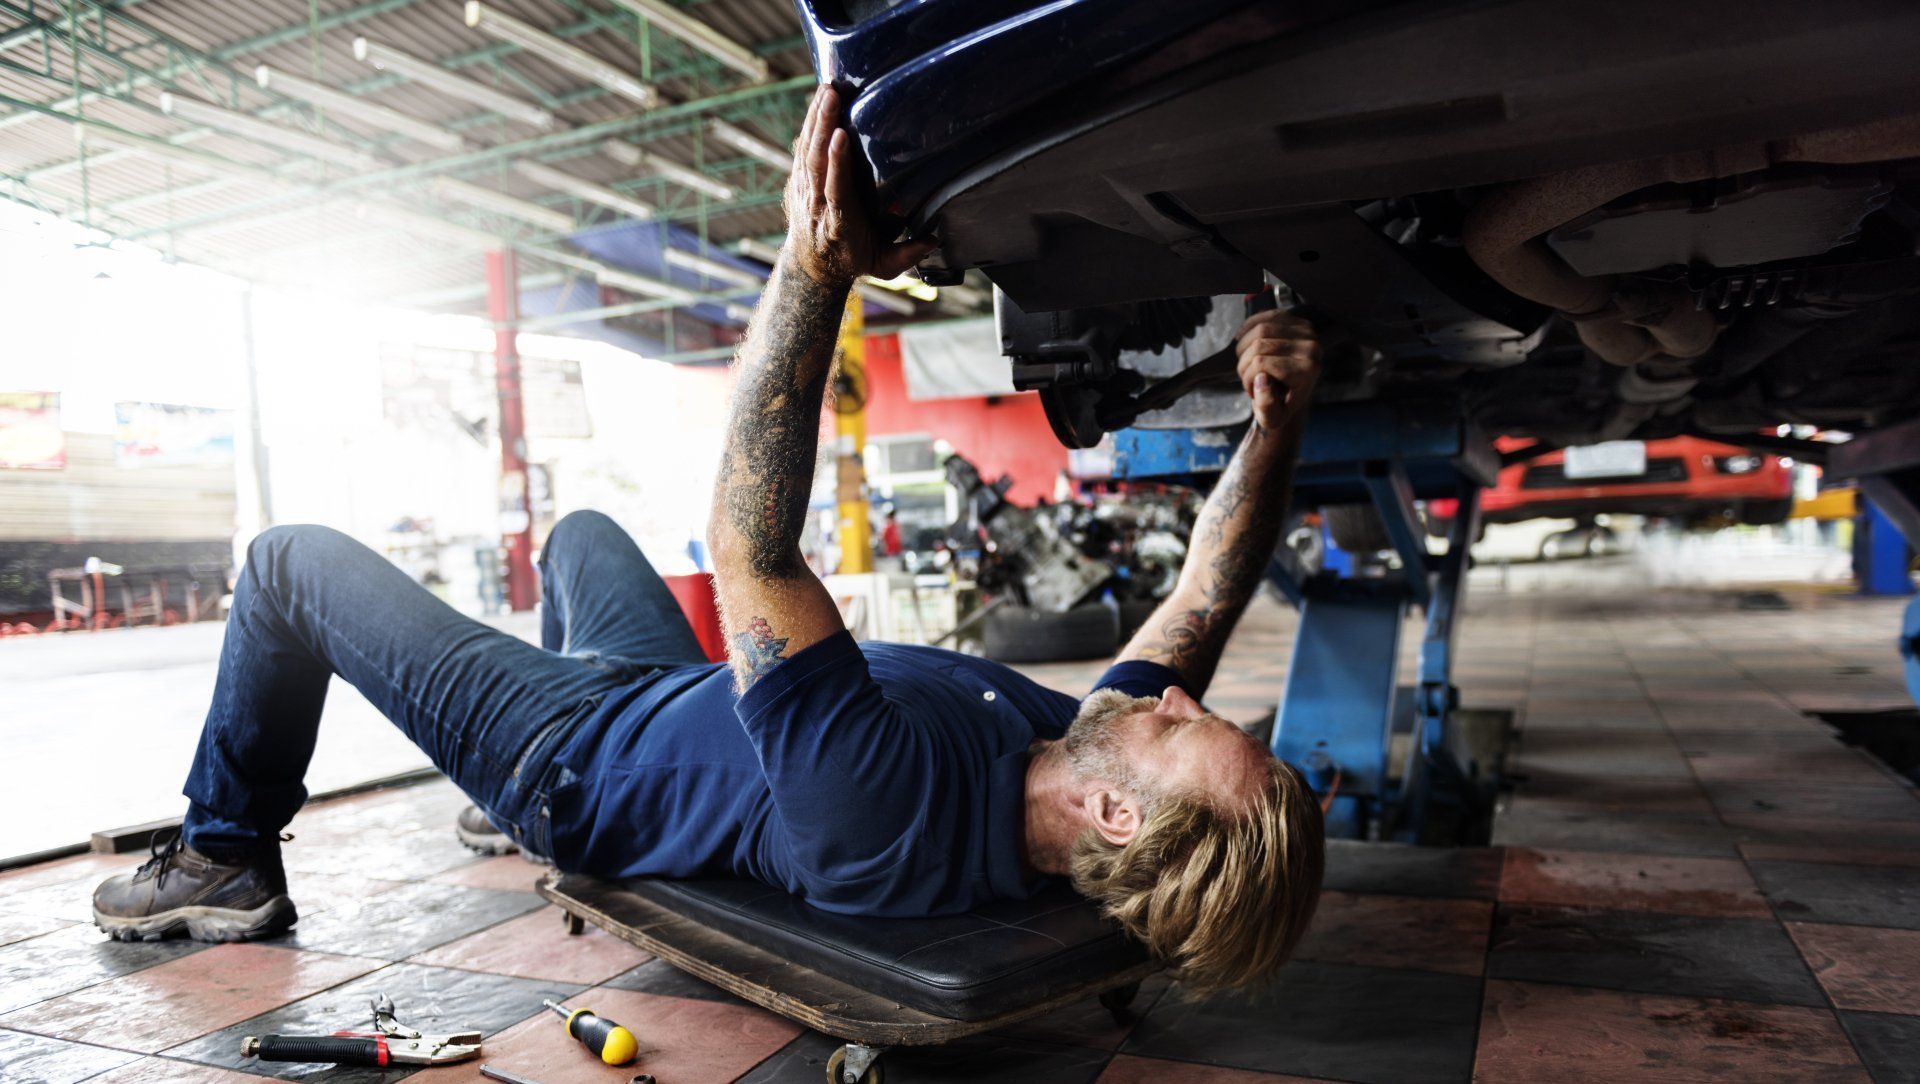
column 1505, row 235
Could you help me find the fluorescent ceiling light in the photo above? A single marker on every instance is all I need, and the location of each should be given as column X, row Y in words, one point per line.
column 387, row 58
column 165, row 152
column 358, row 108
column 686, row 176
column 630, row 281
column 542, row 174
column 312, row 213
column 713, row 269
column 474, row 195
column 742, row 314
column 571, row 57
column 898, row 304
column 165, row 195
column 906, row 283
column 758, row 250
column 966, row 295
column 425, row 225
column 747, row 143
column 240, row 124
column 701, row 36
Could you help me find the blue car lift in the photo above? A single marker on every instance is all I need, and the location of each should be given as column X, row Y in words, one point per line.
column 1342, row 703
column 1885, row 464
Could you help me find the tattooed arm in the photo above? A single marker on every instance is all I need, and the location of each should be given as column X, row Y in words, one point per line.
column 1240, row 525
column 771, row 603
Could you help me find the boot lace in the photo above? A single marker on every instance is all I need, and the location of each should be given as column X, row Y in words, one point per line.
column 161, row 856
column 164, row 847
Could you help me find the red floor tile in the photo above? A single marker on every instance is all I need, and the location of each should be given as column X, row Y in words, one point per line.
column 1632, row 882
column 183, row 999
column 1572, row 1035
column 1863, row 967
column 1400, row 931
column 1129, row 1069
column 506, row 873
column 94, row 866
column 681, row 1042
column 538, row 946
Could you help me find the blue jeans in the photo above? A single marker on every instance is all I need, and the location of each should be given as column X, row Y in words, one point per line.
column 489, row 709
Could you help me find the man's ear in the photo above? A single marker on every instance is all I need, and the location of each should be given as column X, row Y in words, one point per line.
column 1114, row 814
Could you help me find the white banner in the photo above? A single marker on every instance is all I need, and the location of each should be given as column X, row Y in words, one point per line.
column 954, row 359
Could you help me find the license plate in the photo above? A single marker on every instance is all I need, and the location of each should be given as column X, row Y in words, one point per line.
column 1614, row 459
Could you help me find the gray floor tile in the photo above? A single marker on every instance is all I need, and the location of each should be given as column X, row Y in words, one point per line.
column 1822, row 892
column 1887, row 1042
column 1363, row 1024
column 66, row 960
column 660, row 977
column 1526, row 824
column 1395, row 870
column 1746, row 959
column 35, row 1058
column 394, row 925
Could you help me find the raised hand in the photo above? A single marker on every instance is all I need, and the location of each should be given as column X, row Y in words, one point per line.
column 830, row 231
column 1279, row 360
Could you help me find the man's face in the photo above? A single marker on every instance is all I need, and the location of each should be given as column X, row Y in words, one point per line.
column 1172, row 743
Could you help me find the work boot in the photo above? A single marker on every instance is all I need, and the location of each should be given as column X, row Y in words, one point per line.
column 181, row 891
column 479, row 834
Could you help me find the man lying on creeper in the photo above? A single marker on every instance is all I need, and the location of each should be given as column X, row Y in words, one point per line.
column 869, row 779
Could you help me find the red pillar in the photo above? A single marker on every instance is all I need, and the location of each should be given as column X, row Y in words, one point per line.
column 516, row 508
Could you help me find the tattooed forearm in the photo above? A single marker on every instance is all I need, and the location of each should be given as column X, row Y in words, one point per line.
column 756, row 650
column 760, row 499
column 760, row 494
column 1232, row 541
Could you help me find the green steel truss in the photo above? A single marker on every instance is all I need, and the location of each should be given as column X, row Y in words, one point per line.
column 89, row 52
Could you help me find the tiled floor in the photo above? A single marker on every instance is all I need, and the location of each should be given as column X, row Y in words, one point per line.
column 1692, row 880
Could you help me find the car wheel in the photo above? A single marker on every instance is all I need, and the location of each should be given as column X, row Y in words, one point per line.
column 1023, row 634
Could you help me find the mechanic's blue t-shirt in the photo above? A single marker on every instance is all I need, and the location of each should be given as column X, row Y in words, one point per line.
column 871, row 779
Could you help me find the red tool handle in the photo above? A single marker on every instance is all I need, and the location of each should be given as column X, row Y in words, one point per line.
column 334, row 1049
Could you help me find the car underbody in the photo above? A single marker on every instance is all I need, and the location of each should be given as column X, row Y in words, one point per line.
column 1587, row 222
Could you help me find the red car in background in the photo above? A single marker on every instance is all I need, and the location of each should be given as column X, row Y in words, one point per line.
column 1698, row 482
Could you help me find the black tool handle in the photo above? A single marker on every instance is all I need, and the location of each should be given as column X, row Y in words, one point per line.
column 591, row 1030
column 321, row 1048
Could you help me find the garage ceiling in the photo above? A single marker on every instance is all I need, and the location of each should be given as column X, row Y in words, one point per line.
column 238, row 136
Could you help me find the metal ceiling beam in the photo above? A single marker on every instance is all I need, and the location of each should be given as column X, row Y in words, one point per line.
column 180, row 58
column 124, row 92
column 124, row 137
column 530, row 147
column 592, row 20
column 223, row 54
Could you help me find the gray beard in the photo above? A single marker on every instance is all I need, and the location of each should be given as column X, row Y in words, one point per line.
column 1092, row 741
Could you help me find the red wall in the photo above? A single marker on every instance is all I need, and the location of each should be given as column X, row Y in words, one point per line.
column 1004, row 435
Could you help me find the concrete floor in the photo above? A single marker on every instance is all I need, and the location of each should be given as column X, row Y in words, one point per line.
column 1692, row 880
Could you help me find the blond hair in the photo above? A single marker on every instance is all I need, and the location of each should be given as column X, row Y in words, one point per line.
column 1220, row 896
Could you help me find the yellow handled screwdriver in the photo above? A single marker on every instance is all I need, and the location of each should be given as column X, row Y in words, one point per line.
column 614, row 1044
